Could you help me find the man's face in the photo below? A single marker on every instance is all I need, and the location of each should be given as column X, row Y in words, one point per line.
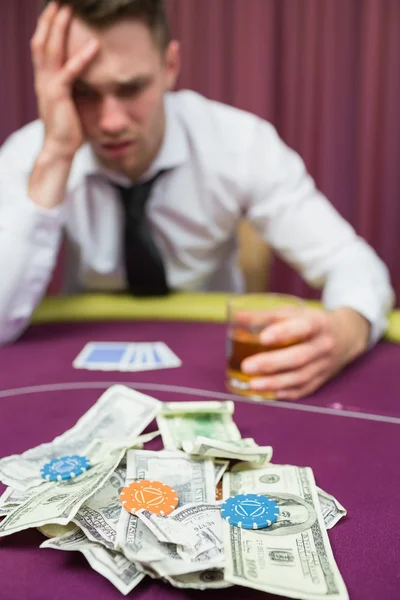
column 119, row 97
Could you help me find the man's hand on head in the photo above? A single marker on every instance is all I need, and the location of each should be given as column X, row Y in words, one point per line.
column 54, row 77
column 325, row 343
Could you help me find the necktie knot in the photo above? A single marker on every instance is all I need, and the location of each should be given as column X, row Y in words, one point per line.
column 135, row 196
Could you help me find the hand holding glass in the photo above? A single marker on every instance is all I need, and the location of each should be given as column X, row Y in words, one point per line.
column 248, row 316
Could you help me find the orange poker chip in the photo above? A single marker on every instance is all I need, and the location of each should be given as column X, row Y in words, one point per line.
column 154, row 496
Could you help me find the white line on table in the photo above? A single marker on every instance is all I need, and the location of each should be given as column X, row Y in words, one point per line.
column 157, row 387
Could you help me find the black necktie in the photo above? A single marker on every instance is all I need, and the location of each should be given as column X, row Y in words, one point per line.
column 144, row 266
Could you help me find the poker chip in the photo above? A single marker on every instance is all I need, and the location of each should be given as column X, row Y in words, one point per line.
column 154, row 496
column 66, row 467
column 250, row 511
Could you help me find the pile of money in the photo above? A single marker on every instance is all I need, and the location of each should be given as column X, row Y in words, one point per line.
column 205, row 461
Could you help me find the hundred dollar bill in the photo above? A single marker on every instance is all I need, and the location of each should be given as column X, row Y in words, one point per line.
column 123, row 574
column 119, row 413
column 292, row 557
column 142, row 547
column 258, row 456
column 12, row 498
column 137, row 542
column 99, row 449
column 195, row 528
column 180, row 421
column 166, row 529
column 59, row 502
column 332, row 510
column 203, row 549
column 6, row 510
column 98, row 516
column 201, row 580
column 9, row 501
column 193, row 481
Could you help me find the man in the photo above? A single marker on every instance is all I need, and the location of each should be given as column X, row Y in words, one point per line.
column 104, row 72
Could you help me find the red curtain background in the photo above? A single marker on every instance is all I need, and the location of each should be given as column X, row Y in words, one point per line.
column 326, row 73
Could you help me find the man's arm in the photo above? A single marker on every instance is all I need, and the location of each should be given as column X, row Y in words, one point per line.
column 31, row 207
column 304, row 228
column 29, row 238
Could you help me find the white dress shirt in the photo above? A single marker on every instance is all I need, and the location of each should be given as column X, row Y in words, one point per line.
column 222, row 163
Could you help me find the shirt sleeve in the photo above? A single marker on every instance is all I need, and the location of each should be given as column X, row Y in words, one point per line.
column 303, row 227
column 30, row 238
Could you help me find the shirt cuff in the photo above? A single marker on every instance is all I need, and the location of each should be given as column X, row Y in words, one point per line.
column 369, row 309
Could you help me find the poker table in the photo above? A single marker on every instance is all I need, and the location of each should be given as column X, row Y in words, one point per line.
column 348, row 432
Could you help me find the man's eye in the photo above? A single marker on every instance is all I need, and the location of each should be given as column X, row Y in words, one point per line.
column 80, row 93
column 131, row 90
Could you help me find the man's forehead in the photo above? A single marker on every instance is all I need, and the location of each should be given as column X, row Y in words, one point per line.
column 79, row 33
column 124, row 46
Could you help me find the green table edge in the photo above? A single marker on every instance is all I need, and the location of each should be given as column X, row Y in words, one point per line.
column 207, row 307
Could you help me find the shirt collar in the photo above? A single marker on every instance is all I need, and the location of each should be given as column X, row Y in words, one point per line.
column 173, row 153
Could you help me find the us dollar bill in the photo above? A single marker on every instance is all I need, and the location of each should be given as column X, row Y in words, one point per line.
column 242, row 450
column 193, row 480
column 123, row 574
column 201, row 580
column 118, row 414
column 180, row 421
column 195, row 528
column 59, row 502
column 6, row 510
column 135, row 540
column 292, row 557
column 13, row 498
column 153, row 557
column 98, row 516
column 332, row 510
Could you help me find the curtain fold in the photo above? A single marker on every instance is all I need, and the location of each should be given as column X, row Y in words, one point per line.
column 326, row 73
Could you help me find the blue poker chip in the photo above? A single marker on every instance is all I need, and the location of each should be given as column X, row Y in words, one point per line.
column 66, row 467
column 250, row 511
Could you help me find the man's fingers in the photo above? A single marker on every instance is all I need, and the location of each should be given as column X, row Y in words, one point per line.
column 302, row 391
column 291, row 330
column 39, row 39
column 291, row 379
column 285, row 359
column 79, row 62
column 257, row 319
column 54, row 53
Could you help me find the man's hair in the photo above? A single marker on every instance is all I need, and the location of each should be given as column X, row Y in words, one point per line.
column 102, row 13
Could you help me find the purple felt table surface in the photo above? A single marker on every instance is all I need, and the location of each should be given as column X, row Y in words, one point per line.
column 348, row 432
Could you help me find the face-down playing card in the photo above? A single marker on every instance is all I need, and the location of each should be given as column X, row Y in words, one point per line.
column 125, row 356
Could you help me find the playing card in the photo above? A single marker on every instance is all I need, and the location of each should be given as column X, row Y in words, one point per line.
column 101, row 356
column 126, row 357
column 153, row 355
